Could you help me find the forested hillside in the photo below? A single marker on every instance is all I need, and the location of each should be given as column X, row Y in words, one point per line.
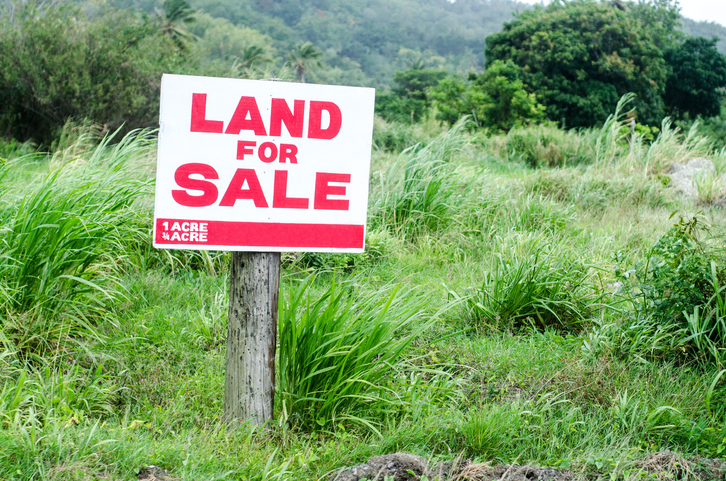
column 706, row 29
column 103, row 61
column 373, row 38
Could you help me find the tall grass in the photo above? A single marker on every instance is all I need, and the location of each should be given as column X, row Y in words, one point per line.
column 68, row 394
column 546, row 146
column 61, row 239
column 413, row 196
column 341, row 352
column 670, row 146
column 535, row 283
column 395, row 137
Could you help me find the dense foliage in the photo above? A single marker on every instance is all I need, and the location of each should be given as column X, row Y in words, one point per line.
column 410, row 96
column 373, row 36
column 59, row 62
column 495, row 99
column 695, row 79
column 580, row 57
column 569, row 62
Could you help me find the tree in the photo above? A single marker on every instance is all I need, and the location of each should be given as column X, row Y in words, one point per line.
column 697, row 72
column 56, row 63
column 303, row 58
column 495, row 99
column 227, row 48
column 661, row 19
column 174, row 15
column 580, row 57
column 408, row 100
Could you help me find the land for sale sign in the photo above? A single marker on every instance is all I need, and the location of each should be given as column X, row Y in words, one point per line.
column 250, row 165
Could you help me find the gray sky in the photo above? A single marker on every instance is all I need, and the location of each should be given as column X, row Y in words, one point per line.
column 708, row 10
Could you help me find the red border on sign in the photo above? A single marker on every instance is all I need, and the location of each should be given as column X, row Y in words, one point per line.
column 261, row 234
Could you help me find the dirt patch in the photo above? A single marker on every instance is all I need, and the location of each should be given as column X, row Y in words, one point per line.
column 484, row 472
column 154, row 473
column 407, row 467
column 667, row 465
column 399, row 466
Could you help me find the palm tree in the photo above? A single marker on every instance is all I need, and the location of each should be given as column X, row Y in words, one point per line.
column 252, row 55
column 418, row 64
column 303, row 58
column 173, row 15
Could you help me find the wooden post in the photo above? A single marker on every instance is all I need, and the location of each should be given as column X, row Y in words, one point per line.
column 249, row 383
column 249, row 379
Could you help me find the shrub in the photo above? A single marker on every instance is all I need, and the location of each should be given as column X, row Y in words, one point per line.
column 496, row 99
column 678, row 297
column 676, row 275
column 547, row 146
column 56, row 63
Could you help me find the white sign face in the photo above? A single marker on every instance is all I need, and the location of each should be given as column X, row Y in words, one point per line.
column 251, row 165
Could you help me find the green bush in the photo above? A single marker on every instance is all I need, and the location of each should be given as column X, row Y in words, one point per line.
column 675, row 276
column 678, row 294
column 57, row 62
column 547, row 146
column 407, row 101
column 495, row 99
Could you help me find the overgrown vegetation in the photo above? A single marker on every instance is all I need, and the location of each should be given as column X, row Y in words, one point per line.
column 527, row 302
column 529, row 294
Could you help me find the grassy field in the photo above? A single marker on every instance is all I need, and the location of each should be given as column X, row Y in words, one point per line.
column 528, row 298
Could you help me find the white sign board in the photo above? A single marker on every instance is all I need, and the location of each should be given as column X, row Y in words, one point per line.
column 250, row 165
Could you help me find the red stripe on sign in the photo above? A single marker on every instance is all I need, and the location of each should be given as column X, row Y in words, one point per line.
column 258, row 234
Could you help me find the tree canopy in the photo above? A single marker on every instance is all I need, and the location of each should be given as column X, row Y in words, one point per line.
column 580, row 58
column 495, row 99
column 697, row 72
column 57, row 63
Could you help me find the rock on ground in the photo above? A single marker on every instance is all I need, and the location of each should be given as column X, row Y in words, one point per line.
column 683, row 176
column 407, row 467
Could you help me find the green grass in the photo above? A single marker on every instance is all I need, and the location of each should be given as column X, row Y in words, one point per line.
column 341, row 355
column 507, row 338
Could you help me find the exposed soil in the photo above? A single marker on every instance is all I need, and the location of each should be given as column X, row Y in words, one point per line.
column 407, row 467
column 503, row 472
column 660, row 466
column 667, row 465
column 154, row 473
